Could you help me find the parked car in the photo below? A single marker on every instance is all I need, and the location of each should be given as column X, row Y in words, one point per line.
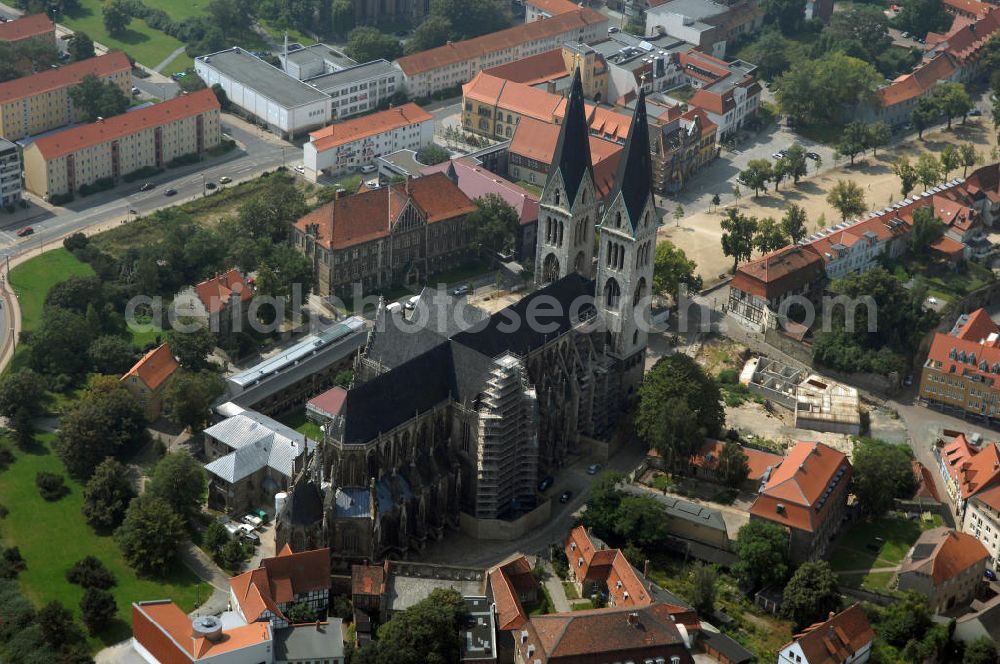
column 812, row 155
column 233, row 528
column 254, row 521
column 301, row 170
column 209, row 185
column 411, row 304
column 777, row 155
column 225, row 179
column 370, row 168
column 545, row 483
column 904, row 34
column 147, row 186
column 26, row 231
column 593, row 469
column 932, row 300
column 565, row 496
column 135, row 91
column 247, row 533
column 461, row 290
column 170, row 192
column 975, row 113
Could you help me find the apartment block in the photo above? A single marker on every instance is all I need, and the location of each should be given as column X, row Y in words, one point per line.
column 358, row 89
column 456, row 63
column 35, row 26
column 707, row 24
column 351, row 144
column 61, row 163
column 41, row 102
column 10, row 173
column 982, row 520
column 963, row 367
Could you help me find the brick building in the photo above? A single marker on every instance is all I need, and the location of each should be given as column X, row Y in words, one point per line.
column 147, row 379
column 945, row 566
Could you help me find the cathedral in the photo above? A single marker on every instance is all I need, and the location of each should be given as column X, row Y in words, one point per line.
column 454, row 411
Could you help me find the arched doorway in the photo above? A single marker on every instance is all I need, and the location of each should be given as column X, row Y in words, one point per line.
column 550, row 268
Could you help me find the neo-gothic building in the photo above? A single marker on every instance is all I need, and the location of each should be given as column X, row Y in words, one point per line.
column 456, row 411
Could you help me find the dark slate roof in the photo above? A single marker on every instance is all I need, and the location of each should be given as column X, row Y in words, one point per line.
column 507, row 330
column 635, row 172
column 572, row 153
column 727, row 647
column 307, row 504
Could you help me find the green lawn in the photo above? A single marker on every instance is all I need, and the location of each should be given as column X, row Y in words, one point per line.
column 293, row 35
column 299, row 422
column 898, row 534
column 33, row 279
column 143, row 43
column 53, row 535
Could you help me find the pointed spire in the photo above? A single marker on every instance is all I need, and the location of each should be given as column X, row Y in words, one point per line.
column 572, row 154
column 635, row 173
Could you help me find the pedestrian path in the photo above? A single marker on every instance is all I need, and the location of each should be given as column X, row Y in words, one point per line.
column 170, row 58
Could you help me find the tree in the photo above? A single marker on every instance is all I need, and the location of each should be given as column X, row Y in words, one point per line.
column 301, row 613
column 191, row 348
column 795, row 162
column 432, row 32
column 928, row 170
column 427, row 632
column 97, row 98
column 60, row 631
column 24, row 429
column 678, row 214
column 220, row 95
column 80, row 46
column 679, row 406
column 786, row 14
column 716, row 200
column 111, row 355
column 432, row 154
column 366, row 43
column 149, row 535
column 950, row 160
column 967, row 157
column 981, row 651
column 232, row 16
column 882, row 473
column 922, row 16
column 703, row 589
column 905, row 619
column 926, row 230
column 116, row 14
column 214, row 539
column 341, row 17
column 861, row 29
column 769, row 236
column 756, row 175
column 952, row 100
column 189, row 395
column 793, row 224
column 811, row 594
column 90, row 572
column 907, row 175
column 816, row 90
column 284, row 271
column 106, row 421
column 878, row 135
column 779, row 172
column 762, row 551
column 59, row 343
column 847, row 197
column 770, row 54
column 924, row 115
column 471, row 18
column 733, row 465
column 106, row 495
column 671, row 269
column 179, row 481
column 494, row 224
column 98, row 608
column 737, row 240
column 22, row 390
column 853, row 140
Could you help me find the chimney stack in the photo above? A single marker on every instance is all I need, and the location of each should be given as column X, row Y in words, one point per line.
column 633, row 618
column 645, row 568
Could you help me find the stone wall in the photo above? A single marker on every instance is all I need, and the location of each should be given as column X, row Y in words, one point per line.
column 502, row 530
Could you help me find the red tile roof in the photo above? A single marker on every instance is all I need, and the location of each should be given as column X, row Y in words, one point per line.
column 971, row 468
column 34, row 25
column 990, row 497
column 367, row 216
column 973, row 7
column 154, row 368
column 507, row 583
column 477, row 182
column 918, row 82
column 367, row 580
column 545, row 66
column 279, row 580
column 76, row 138
column 759, row 462
column 953, row 553
column 454, row 53
column 836, row 640
column 215, row 293
column 348, row 131
column 63, row 77
column 166, row 633
column 331, row 401
column 794, row 494
column 553, row 7
column 925, row 482
column 779, row 272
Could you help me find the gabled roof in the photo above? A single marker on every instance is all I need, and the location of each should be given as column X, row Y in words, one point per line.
column 971, row 468
column 572, row 154
column 48, row 80
column 154, row 368
column 27, row 27
column 635, row 174
column 216, row 293
column 942, row 554
column 507, row 581
column 477, row 182
column 279, row 580
column 74, row 139
column 758, row 461
column 166, row 632
column 779, row 272
column 369, row 215
column 367, row 579
column 545, row 66
column 837, row 639
column 918, row 82
column 256, row 441
column 348, row 131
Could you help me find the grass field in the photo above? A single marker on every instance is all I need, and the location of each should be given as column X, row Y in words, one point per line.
column 65, row 538
column 33, row 279
column 299, row 422
column 143, row 43
column 899, row 534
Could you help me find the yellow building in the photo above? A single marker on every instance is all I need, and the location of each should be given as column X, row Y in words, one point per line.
column 61, row 163
column 38, row 103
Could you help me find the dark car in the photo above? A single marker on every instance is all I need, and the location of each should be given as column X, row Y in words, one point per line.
column 812, row 155
column 26, row 231
column 209, row 185
column 565, row 496
column 975, row 113
column 170, row 192
column 147, row 186
column 546, row 483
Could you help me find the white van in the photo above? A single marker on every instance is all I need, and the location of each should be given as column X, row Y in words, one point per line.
column 394, row 308
column 411, row 304
column 370, row 168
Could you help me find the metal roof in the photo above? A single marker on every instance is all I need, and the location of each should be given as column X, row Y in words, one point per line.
column 363, row 72
column 262, row 77
column 256, row 441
